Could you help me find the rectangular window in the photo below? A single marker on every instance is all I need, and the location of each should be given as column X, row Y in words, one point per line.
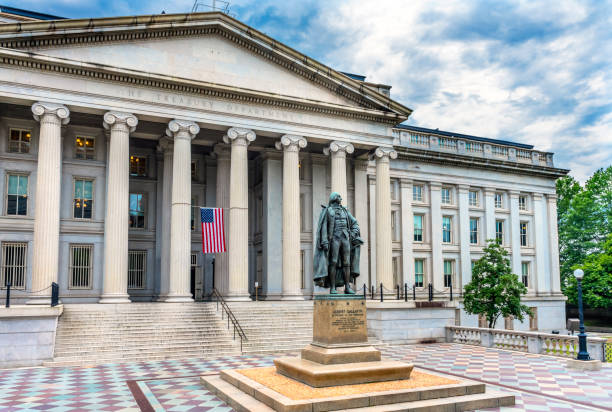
column 525, row 273
column 80, row 266
column 523, row 233
column 395, row 225
column 499, row 231
column 446, row 229
column 499, row 200
column 85, row 148
column 522, row 202
column 83, row 199
column 19, row 141
column 137, row 269
column 137, row 211
column 13, row 269
column 418, row 228
column 473, row 198
column 194, row 170
column 448, row 273
column 17, row 195
column 418, row 272
column 417, row 193
column 138, row 166
column 194, row 201
column 446, row 196
column 473, row 231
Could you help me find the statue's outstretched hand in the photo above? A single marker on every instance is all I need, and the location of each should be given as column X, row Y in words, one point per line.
column 325, row 246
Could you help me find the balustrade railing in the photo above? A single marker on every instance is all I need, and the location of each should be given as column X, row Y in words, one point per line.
column 532, row 342
column 227, row 313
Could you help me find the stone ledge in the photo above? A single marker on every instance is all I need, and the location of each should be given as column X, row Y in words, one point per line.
column 30, row 311
column 582, row 365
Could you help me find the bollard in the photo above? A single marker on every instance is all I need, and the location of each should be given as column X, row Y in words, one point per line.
column 381, row 292
column 398, row 296
column 430, row 293
column 372, row 290
column 414, row 291
column 451, row 291
column 364, row 292
column 8, row 295
column 405, row 292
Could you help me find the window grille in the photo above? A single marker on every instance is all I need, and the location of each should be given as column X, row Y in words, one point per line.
column 194, row 259
column 474, row 147
column 446, row 143
column 80, row 267
column 418, row 272
column 13, row 270
column 137, row 269
column 85, row 147
column 83, row 199
column 419, row 139
column 17, row 195
column 499, row 151
column 19, row 141
column 138, row 166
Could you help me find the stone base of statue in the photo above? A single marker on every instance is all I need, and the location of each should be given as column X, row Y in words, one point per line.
column 341, row 371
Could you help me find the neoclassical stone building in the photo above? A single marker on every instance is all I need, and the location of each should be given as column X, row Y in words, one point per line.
column 113, row 129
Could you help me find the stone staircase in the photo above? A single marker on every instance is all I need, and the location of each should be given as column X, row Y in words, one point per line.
column 90, row 334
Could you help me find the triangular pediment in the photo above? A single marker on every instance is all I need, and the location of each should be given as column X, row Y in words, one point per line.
column 207, row 49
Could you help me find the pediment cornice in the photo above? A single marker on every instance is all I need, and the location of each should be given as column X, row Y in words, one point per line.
column 36, row 36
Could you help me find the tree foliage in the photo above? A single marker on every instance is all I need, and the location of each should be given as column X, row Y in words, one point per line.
column 585, row 221
column 494, row 290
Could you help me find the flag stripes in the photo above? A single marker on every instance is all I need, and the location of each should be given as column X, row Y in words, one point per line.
column 213, row 230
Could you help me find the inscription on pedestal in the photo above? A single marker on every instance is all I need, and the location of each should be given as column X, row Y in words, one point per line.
column 339, row 320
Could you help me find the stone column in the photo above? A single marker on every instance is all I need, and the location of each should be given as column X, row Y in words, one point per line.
column 222, row 187
column 384, row 269
column 238, row 286
column 407, row 232
column 182, row 132
column 48, row 189
column 338, row 151
column 437, row 275
column 515, row 221
column 372, row 229
column 489, row 224
column 553, row 230
column 464, row 240
column 117, row 207
column 292, row 282
column 166, row 147
column 361, row 214
column 542, row 257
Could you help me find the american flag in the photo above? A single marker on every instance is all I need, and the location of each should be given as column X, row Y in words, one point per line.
column 213, row 230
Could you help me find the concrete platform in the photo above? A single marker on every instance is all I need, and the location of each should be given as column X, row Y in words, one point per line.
column 332, row 356
column 244, row 394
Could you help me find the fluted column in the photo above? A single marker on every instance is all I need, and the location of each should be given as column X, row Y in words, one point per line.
column 407, row 231
column 338, row 152
column 489, row 227
column 361, row 214
column 437, row 275
column 183, row 132
column 555, row 275
column 238, row 253
column 222, row 151
column 117, row 207
column 515, row 221
column 48, row 189
column 166, row 147
column 292, row 282
column 384, row 270
column 464, row 240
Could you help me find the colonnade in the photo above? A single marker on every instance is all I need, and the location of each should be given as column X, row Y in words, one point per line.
column 232, row 193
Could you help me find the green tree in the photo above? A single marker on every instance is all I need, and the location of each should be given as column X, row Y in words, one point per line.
column 584, row 220
column 597, row 281
column 494, row 290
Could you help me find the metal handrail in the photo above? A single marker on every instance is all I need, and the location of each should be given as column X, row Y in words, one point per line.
column 230, row 317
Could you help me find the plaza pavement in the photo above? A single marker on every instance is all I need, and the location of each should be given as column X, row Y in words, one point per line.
column 540, row 383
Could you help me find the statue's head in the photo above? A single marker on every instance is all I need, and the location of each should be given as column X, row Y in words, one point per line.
column 335, row 198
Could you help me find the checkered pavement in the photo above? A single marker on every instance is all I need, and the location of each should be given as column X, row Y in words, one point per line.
column 540, row 383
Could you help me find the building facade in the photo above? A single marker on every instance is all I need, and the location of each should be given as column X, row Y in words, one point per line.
column 113, row 131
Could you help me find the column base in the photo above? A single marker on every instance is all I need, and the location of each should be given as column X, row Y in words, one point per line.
column 115, row 299
column 39, row 300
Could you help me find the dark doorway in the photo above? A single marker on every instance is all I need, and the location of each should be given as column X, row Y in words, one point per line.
column 193, row 281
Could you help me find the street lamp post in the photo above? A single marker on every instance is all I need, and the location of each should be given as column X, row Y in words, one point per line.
column 583, row 354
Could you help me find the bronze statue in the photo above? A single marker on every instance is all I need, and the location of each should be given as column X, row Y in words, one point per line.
column 336, row 260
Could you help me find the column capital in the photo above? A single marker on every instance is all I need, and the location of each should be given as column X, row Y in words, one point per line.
column 489, row 191
column 339, row 147
column 435, row 185
column 406, row 183
column 551, row 197
column 165, row 145
column 385, row 153
column 537, row 196
column 240, row 136
column 40, row 109
column 182, row 129
column 291, row 142
column 120, row 118
column 361, row 164
column 221, row 151
column 463, row 188
column 514, row 193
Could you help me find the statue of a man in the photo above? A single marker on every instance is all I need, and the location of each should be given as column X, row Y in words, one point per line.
column 336, row 260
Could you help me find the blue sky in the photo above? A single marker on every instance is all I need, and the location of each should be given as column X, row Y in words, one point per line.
column 538, row 72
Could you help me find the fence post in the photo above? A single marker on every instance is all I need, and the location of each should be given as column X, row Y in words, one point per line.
column 398, row 292
column 534, row 344
column 54, row 294
column 405, row 292
column 451, row 291
column 381, row 291
column 364, row 292
column 8, row 295
column 486, row 338
column 595, row 348
column 372, row 291
column 414, row 291
column 430, row 292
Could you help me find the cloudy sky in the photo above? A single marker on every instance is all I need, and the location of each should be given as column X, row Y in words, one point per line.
column 529, row 71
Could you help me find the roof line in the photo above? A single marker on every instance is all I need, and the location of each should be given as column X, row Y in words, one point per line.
column 464, row 136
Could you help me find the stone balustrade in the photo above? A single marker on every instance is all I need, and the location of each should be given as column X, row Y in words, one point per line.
column 471, row 148
column 531, row 342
